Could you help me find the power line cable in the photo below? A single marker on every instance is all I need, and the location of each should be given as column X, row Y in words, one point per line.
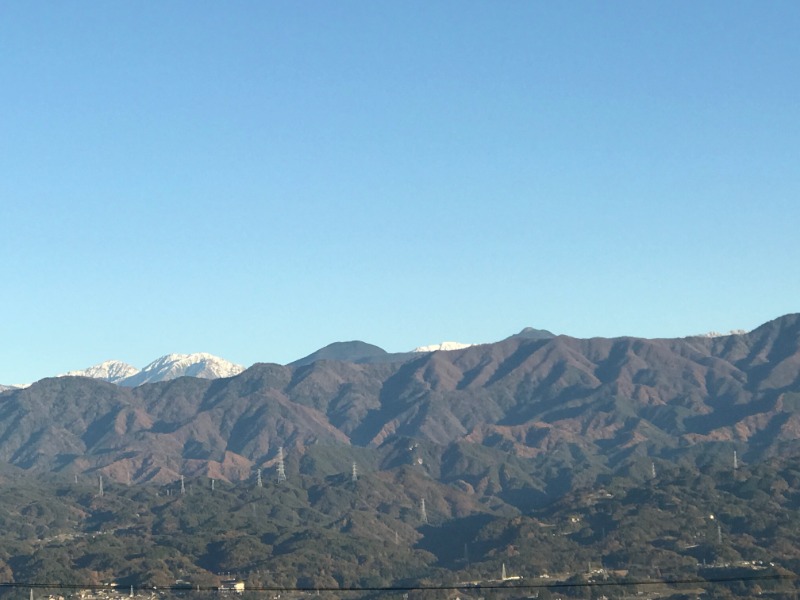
column 415, row 588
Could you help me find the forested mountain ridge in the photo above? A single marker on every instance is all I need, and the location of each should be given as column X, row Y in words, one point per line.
column 728, row 532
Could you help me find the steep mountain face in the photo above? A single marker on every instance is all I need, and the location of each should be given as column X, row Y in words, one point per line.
column 522, row 418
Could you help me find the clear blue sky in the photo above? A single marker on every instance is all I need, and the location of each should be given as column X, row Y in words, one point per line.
column 259, row 179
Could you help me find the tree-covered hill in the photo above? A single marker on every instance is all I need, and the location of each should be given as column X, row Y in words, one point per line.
column 683, row 523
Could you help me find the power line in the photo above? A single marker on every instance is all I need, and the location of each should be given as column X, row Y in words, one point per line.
column 444, row 587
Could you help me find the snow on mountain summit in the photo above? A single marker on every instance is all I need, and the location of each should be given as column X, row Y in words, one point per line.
column 716, row 334
column 171, row 366
column 443, row 346
column 112, row 371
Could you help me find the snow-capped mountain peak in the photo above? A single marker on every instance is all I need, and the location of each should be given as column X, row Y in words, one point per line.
column 170, row 366
column 716, row 334
column 112, row 371
column 199, row 364
column 443, row 346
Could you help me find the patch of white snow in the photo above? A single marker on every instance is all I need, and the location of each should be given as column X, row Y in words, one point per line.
column 716, row 334
column 446, row 346
column 112, row 371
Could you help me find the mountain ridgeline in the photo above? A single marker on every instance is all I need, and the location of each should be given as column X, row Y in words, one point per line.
column 542, row 411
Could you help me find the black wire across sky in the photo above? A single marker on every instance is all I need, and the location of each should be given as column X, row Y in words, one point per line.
column 418, row 588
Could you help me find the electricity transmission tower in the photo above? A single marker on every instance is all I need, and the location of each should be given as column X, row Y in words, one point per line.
column 281, row 466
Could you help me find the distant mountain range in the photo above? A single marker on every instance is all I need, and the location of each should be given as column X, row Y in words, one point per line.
column 171, row 366
column 208, row 366
column 363, row 353
column 549, row 410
